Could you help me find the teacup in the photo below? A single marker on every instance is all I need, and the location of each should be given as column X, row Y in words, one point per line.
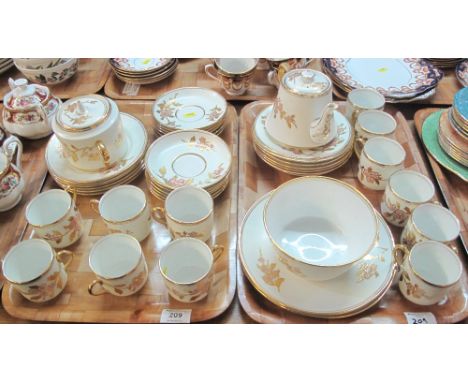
column 125, row 209
column 186, row 265
column 234, row 74
column 380, row 158
column 279, row 66
column 55, row 218
column 428, row 272
column 187, row 212
column 35, row 270
column 90, row 131
column 372, row 123
column 305, row 219
column 118, row 262
column 405, row 191
column 430, row 221
column 362, row 99
column 303, row 112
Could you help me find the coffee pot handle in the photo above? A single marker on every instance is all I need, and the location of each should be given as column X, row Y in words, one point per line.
column 103, row 152
column 11, row 145
column 321, row 129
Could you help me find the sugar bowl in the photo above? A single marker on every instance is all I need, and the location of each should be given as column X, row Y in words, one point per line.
column 28, row 109
column 11, row 178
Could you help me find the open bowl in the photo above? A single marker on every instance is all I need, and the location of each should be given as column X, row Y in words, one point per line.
column 61, row 72
column 320, row 226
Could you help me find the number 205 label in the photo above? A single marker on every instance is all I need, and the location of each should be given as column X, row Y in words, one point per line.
column 175, row 316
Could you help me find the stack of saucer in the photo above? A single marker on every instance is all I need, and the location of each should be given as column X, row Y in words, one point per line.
column 453, row 128
column 299, row 161
column 6, row 64
column 190, row 108
column 95, row 147
column 143, row 71
column 189, row 157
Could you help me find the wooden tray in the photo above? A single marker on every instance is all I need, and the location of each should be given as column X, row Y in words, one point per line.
column 191, row 72
column 90, row 78
column 13, row 222
column 76, row 305
column 256, row 178
column 454, row 189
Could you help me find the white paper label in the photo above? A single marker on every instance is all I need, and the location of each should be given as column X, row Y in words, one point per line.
column 176, row 316
column 420, row 318
column 131, row 89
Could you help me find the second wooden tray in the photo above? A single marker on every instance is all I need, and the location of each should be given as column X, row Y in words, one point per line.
column 256, row 179
column 74, row 304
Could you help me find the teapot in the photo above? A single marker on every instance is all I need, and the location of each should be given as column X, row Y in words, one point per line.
column 303, row 114
column 28, row 109
column 11, row 177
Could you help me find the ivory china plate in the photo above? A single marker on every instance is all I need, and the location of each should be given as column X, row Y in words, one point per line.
column 137, row 141
column 190, row 108
column 392, row 77
column 139, row 64
column 349, row 294
column 337, row 147
column 187, row 157
column 461, row 71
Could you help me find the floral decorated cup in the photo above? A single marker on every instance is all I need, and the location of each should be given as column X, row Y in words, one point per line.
column 279, row 66
column 430, row 221
column 234, row 74
column 11, row 177
column 55, row 218
column 187, row 212
column 118, row 262
column 405, row 190
column 186, row 265
column 380, row 158
column 35, row 270
column 362, row 99
column 125, row 209
column 428, row 272
column 29, row 109
column 372, row 123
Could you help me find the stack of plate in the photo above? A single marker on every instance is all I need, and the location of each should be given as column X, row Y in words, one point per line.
column 95, row 183
column 298, row 161
column 6, row 64
column 188, row 157
column 453, row 128
column 190, row 108
column 143, row 71
column 445, row 63
column 397, row 79
column 461, row 71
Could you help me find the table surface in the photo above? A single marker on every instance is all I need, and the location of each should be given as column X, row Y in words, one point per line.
column 234, row 314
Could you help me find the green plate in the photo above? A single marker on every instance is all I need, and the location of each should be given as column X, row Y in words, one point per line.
column 430, row 131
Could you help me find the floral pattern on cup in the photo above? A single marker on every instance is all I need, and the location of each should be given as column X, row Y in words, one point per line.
column 48, row 290
column 369, row 175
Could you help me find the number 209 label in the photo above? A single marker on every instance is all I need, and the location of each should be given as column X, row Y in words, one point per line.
column 175, row 316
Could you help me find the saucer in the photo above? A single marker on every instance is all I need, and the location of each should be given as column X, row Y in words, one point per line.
column 190, row 108
column 60, row 167
column 349, row 294
column 133, row 65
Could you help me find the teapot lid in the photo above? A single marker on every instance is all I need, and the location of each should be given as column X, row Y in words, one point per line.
column 306, row 82
column 24, row 95
column 83, row 113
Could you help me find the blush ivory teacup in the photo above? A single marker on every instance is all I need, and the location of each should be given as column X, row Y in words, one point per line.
column 35, row 270
column 372, row 123
column 234, row 74
column 362, row 99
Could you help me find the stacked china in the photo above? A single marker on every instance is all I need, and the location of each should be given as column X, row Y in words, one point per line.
column 143, row 71
column 95, row 147
column 302, row 133
column 49, row 71
column 6, row 64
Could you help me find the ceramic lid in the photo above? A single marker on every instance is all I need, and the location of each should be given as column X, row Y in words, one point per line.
column 460, row 102
column 307, row 82
column 83, row 113
column 24, row 95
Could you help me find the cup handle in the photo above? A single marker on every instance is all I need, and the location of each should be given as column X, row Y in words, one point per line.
column 11, row 145
column 159, row 215
column 271, row 78
column 71, row 191
column 397, row 254
column 360, row 142
column 62, row 253
column 282, row 70
column 91, row 288
column 209, row 71
column 217, row 251
column 104, row 152
column 94, row 204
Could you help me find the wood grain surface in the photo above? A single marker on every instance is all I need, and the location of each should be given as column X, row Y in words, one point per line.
column 256, row 179
column 90, row 78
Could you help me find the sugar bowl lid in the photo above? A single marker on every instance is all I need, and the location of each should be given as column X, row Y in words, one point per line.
column 306, row 82
column 83, row 113
column 23, row 95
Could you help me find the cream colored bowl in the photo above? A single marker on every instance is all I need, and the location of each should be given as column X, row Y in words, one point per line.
column 61, row 72
column 320, row 226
